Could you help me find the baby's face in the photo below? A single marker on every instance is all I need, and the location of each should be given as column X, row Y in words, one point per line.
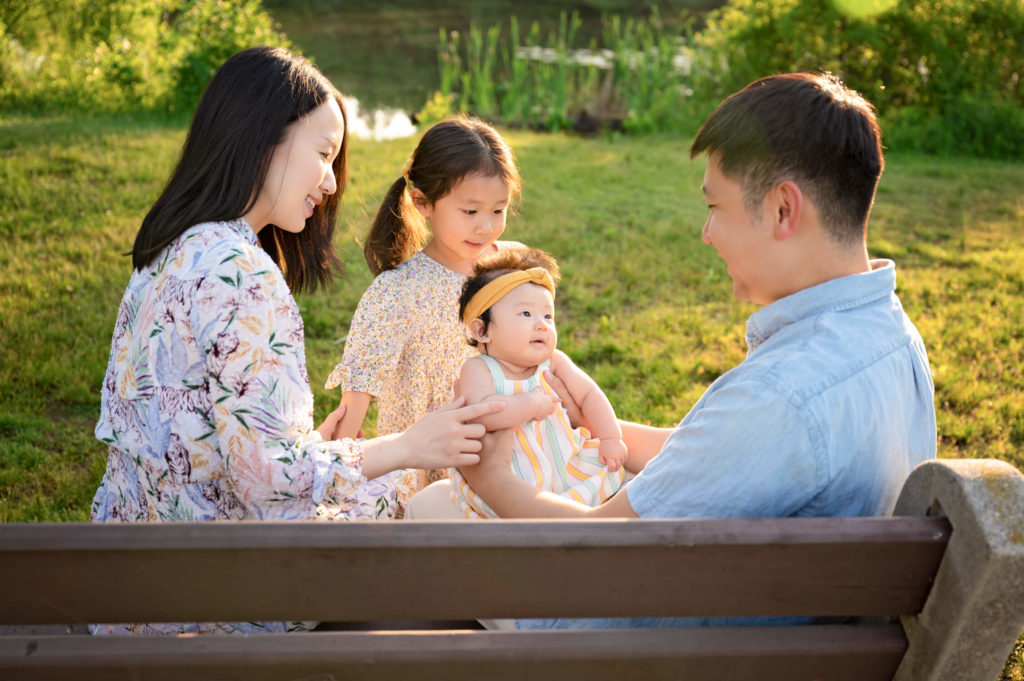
column 522, row 328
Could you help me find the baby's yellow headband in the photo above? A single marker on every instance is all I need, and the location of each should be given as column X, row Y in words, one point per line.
column 494, row 291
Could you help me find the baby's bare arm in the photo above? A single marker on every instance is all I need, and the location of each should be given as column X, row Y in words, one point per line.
column 597, row 410
column 476, row 385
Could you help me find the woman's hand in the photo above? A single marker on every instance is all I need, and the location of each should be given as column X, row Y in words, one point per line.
column 326, row 428
column 446, row 438
column 442, row 439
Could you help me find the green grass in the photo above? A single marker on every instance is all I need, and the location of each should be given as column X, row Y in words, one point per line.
column 644, row 306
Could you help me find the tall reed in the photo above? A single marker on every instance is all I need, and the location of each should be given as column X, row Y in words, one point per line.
column 632, row 77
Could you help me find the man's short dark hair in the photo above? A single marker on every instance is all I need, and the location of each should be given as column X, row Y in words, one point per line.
column 808, row 128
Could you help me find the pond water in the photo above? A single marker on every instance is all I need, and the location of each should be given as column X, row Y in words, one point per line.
column 384, row 52
column 382, row 123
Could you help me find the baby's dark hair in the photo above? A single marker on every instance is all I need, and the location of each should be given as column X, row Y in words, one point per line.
column 504, row 262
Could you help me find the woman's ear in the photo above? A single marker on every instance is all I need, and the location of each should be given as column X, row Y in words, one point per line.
column 420, row 201
column 476, row 328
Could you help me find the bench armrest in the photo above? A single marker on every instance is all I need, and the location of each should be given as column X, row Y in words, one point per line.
column 975, row 610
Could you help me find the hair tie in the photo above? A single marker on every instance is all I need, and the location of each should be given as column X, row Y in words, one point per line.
column 405, row 172
column 494, row 291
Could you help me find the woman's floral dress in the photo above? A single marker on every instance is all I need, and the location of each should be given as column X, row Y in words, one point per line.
column 206, row 405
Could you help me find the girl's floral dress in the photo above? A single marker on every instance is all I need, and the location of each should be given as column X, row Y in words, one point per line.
column 206, row 405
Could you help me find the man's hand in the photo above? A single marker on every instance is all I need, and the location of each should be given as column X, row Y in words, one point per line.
column 576, row 418
column 546, row 403
column 495, row 459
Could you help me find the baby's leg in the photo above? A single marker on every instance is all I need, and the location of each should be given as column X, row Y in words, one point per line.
column 434, row 502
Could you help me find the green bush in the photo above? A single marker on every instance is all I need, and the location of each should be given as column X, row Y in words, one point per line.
column 968, row 126
column 121, row 55
column 945, row 75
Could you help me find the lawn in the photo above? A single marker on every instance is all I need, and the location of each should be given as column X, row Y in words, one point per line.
column 644, row 306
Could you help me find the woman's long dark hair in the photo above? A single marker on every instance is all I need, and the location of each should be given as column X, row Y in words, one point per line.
column 449, row 151
column 241, row 117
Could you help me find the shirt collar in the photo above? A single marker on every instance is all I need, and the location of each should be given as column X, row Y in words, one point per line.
column 242, row 228
column 837, row 294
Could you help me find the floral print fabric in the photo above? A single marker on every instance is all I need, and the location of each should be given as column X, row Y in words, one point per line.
column 206, row 405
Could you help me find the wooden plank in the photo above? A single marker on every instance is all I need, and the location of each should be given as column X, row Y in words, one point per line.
column 378, row 571
column 835, row 653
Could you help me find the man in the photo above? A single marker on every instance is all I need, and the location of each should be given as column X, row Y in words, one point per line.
column 833, row 405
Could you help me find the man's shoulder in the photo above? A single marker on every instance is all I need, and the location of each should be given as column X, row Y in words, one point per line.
column 831, row 348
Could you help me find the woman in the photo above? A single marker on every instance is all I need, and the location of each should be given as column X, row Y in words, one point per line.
column 206, row 405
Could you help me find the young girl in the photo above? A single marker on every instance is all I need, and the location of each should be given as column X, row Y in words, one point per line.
column 508, row 307
column 405, row 344
column 206, row 408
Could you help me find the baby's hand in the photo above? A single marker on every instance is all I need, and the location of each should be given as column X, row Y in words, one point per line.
column 545, row 403
column 612, row 453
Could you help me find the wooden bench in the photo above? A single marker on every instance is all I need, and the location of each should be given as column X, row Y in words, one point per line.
column 933, row 593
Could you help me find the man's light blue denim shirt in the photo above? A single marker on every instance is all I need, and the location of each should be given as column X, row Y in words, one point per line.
column 826, row 417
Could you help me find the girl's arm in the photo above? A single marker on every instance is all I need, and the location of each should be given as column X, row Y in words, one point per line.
column 356, row 404
column 476, row 385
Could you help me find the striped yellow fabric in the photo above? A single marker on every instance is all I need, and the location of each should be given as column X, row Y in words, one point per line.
column 549, row 454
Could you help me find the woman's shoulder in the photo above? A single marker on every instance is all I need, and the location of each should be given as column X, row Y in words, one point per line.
column 213, row 246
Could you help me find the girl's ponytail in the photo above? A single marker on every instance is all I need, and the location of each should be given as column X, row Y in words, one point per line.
column 397, row 232
column 449, row 151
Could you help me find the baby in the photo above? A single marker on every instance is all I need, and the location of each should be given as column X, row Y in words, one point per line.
column 508, row 307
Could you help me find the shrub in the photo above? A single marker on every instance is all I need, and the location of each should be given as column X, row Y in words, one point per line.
column 121, row 55
column 945, row 74
column 968, row 126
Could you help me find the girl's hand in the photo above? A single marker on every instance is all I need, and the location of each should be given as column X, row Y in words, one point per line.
column 445, row 438
column 326, row 428
column 612, row 453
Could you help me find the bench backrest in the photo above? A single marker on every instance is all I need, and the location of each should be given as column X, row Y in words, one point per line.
column 459, row 570
column 952, row 566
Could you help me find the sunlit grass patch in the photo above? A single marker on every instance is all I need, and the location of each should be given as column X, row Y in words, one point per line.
column 644, row 306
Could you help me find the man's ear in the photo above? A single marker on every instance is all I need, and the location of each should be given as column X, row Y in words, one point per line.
column 787, row 209
column 476, row 328
column 420, row 202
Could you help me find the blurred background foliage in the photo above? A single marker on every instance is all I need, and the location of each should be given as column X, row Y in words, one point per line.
column 121, row 55
column 944, row 74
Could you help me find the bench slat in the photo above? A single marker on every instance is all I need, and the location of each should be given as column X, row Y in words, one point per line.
column 834, row 652
column 70, row 572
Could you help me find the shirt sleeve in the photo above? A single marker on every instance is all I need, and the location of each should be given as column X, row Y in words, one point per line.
column 250, row 332
column 744, row 451
column 376, row 338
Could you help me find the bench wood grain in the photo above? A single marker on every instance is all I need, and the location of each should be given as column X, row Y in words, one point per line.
column 889, row 578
